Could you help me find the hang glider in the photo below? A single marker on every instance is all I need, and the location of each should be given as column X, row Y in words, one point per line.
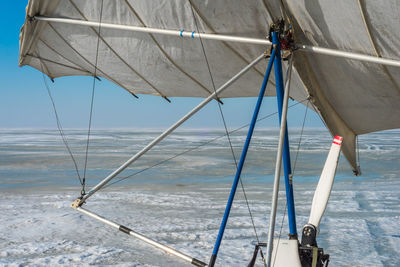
column 347, row 58
column 342, row 57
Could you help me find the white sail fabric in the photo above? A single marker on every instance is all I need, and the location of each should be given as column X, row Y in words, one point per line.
column 352, row 97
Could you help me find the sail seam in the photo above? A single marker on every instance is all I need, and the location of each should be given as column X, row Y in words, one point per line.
column 79, row 67
column 117, row 55
column 85, row 59
column 44, row 65
column 268, row 9
column 57, row 63
column 326, row 113
column 374, row 45
column 165, row 53
column 35, row 33
column 207, row 23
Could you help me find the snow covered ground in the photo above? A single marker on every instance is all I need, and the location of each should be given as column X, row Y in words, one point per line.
column 182, row 206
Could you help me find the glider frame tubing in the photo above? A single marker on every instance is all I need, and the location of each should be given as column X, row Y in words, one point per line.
column 242, row 160
column 220, row 37
column 156, row 244
column 77, row 204
column 168, row 131
column 286, row 151
column 283, row 150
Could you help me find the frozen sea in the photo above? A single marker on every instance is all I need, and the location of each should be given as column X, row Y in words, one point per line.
column 180, row 202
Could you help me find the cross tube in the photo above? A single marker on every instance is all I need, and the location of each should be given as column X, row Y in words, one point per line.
column 221, row 37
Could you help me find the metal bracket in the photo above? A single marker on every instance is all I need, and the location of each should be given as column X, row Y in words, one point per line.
column 285, row 35
column 77, row 203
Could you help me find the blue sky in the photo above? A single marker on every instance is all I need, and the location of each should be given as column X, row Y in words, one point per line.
column 24, row 102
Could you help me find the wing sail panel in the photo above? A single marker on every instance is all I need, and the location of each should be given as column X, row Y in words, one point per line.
column 352, row 97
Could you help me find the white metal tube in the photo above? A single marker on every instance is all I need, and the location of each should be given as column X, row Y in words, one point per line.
column 228, row 38
column 349, row 55
column 278, row 165
column 172, row 128
column 137, row 235
column 98, row 217
column 188, row 34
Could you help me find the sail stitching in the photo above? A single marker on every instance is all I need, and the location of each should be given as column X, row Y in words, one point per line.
column 87, row 61
column 374, row 45
column 237, row 53
column 326, row 111
column 58, row 53
column 36, row 31
column 117, row 55
column 268, row 9
column 57, row 63
column 43, row 65
column 165, row 53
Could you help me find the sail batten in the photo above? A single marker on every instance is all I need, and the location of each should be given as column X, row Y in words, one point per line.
column 353, row 97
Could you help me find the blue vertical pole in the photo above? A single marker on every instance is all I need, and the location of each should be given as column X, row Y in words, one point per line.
column 286, row 153
column 242, row 160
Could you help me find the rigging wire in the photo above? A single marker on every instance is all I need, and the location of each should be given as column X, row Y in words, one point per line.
column 59, row 126
column 292, row 174
column 194, row 148
column 225, row 126
column 358, row 161
column 300, row 138
column 91, row 104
